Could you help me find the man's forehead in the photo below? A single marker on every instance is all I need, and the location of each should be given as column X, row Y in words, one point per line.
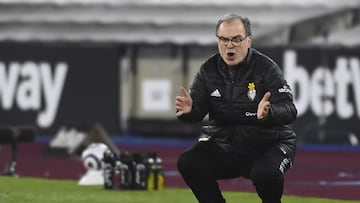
column 235, row 27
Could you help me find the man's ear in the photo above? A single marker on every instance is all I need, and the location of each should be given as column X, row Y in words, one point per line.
column 249, row 41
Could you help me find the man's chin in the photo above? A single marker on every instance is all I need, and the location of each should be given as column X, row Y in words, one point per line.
column 231, row 62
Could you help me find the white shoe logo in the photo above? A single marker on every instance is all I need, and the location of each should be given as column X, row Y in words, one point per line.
column 215, row 93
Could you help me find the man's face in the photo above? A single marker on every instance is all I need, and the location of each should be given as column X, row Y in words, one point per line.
column 233, row 44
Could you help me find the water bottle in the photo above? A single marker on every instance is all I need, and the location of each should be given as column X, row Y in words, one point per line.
column 125, row 171
column 158, row 175
column 108, row 170
column 151, row 176
column 140, row 176
column 117, row 177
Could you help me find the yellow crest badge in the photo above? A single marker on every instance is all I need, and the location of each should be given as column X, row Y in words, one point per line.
column 251, row 91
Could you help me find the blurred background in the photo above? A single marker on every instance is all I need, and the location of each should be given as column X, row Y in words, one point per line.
column 81, row 70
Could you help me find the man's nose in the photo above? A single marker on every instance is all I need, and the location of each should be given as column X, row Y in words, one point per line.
column 229, row 44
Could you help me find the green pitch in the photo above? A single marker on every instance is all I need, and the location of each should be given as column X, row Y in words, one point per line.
column 36, row 190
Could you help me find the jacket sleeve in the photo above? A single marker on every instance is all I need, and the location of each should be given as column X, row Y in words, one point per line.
column 198, row 93
column 282, row 108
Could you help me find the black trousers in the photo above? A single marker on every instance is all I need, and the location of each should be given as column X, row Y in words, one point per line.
column 205, row 163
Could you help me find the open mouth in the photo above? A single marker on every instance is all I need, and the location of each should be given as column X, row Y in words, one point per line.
column 230, row 55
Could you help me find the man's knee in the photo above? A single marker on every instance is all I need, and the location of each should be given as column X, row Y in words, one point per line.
column 265, row 175
column 189, row 163
column 184, row 163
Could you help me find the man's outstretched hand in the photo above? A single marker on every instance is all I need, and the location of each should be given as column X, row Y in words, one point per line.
column 183, row 103
column 264, row 106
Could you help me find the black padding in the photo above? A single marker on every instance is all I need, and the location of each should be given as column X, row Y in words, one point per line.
column 7, row 135
column 10, row 135
column 26, row 134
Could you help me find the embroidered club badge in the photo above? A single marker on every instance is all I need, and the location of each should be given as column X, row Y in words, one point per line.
column 251, row 91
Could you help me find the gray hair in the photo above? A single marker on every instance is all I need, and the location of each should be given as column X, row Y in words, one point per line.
column 232, row 17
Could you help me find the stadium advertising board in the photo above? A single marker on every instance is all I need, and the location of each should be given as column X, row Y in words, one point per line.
column 326, row 85
column 49, row 85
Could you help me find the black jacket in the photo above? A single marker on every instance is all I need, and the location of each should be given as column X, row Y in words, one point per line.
column 231, row 102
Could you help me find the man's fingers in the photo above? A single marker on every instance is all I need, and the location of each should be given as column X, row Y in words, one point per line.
column 266, row 97
column 179, row 98
column 179, row 113
column 184, row 92
column 183, row 104
column 264, row 106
